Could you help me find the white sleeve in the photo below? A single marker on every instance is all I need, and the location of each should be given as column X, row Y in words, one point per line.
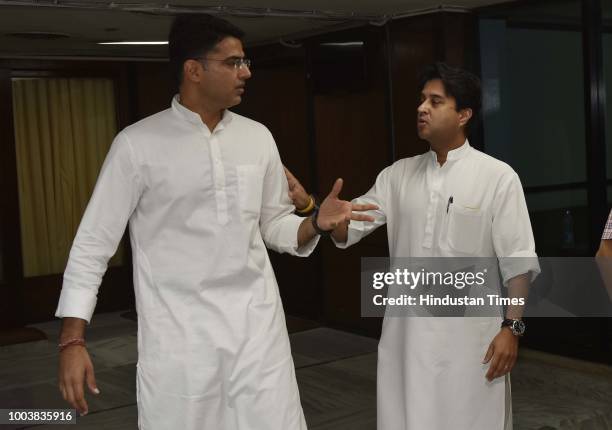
column 114, row 198
column 377, row 195
column 512, row 235
column 279, row 225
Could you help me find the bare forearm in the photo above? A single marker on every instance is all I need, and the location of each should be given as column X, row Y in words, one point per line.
column 340, row 233
column 518, row 287
column 306, row 232
column 72, row 328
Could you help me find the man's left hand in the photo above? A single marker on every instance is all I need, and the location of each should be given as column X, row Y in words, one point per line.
column 502, row 354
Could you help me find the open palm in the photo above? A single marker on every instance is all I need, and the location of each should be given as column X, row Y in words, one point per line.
column 334, row 211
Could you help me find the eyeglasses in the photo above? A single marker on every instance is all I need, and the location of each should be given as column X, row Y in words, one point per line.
column 235, row 62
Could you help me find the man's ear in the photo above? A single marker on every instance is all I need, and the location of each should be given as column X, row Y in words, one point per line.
column 464, row 116
column 192, row 70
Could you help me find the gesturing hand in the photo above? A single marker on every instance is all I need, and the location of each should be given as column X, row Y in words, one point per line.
column 334, row 211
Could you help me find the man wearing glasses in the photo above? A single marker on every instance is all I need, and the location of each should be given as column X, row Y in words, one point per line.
column 204, row 192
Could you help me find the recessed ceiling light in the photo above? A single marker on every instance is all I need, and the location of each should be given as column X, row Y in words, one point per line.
column 133, row 43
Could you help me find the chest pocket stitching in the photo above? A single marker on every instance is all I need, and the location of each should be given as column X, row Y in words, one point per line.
column 465, row 228
column 250, row 188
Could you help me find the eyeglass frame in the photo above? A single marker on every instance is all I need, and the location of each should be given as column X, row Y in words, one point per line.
column 236, row 62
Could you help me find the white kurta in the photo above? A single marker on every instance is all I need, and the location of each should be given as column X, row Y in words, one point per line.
column 213, row 349
column 430, row 371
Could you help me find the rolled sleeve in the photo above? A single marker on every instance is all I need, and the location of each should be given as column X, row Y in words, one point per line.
column 354, row 235
column 519, row 264
column 356, row 231
column 512, row 234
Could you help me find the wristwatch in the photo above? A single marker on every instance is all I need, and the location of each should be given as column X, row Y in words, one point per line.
column 517, row 326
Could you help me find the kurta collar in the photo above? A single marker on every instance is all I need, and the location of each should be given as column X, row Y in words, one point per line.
column 455, row 154
column 194, row 118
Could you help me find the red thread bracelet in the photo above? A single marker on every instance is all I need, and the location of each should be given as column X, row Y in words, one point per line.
column 76, row 341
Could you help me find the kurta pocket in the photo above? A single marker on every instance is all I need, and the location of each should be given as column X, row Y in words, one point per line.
column 465, row 227
column 250, row 188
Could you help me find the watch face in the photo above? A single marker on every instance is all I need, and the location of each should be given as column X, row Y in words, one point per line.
column 518, row 327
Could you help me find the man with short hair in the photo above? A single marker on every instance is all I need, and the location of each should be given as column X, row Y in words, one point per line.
column 453, row 201
column 203, row 190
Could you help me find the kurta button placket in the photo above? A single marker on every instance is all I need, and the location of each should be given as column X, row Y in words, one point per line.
column 434, row 184
column 219, row 179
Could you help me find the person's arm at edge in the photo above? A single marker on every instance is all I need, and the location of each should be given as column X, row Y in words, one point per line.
column 603, row 258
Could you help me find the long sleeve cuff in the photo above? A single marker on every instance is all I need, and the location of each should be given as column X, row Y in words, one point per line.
column 76, row 302
column 285, row 238
column 308, row 248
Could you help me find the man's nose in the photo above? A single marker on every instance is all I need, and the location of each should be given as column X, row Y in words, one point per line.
column 244, row 72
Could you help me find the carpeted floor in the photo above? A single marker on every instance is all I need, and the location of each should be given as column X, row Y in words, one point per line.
column 336, row 373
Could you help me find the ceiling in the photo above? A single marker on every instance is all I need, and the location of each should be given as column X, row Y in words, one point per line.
column 80, row 25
